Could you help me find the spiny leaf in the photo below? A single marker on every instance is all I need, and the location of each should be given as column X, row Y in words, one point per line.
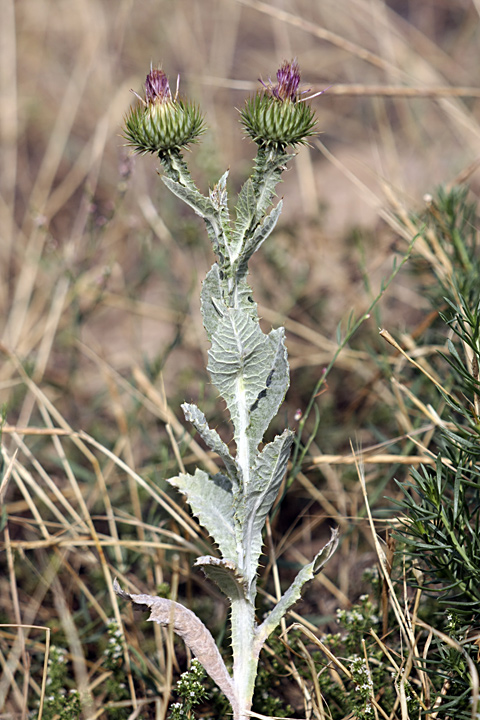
column 211, row 501
column 225, row 574
column 261, row 233
column 294, row 592
column 242, row 365
column 246, row 210
column 213, row 440
column 272, row 394
column 208, row 212
column 267, row 476
column 269, row 165
column 215, row 299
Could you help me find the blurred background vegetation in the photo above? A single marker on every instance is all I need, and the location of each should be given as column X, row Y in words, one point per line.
column 101, row 335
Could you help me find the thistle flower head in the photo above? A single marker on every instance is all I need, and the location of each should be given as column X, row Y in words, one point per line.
column 288, row 77
column 161, row 122
column 278, row 115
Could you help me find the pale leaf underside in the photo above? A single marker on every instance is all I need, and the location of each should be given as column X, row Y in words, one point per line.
column 192, row 631
column 225, row 574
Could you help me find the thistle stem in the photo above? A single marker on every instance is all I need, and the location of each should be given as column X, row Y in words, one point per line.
column 269, row 164
column 245, row 664
column 176, row 168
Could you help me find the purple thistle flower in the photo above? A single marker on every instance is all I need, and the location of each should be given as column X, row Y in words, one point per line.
column 157, row 88
column 288, row 77
column 288, row 80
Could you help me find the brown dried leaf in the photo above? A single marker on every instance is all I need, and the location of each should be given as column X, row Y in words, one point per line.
column 192, row 631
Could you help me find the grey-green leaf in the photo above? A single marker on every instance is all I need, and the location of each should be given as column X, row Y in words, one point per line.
column 219, row 195
column 225, row 574
column 204, row 207
column 194, row 415
column 242, row 365
column 215, row 304
column 269, row 165
column 294, row 592
column 190, row 195
column 211, row 501
column 267, row 476
column 246, row 210
column 273, row 392
column 253, row 242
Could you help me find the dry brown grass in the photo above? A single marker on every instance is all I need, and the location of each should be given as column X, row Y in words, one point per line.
column 100, row 269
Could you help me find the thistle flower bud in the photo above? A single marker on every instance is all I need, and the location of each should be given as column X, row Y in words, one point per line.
column 278, row 115
column 161, row 122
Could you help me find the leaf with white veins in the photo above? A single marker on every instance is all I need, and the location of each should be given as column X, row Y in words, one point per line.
column 261, row 233
column 246, row 210
column 214, row 304
column 272, row 394
column 248, row 369
column 211, row 501
column 211, row 215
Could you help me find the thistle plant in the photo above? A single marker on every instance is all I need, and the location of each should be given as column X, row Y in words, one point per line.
column 248, row 367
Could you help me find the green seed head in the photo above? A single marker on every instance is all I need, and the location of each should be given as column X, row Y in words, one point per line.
column 277, row 115
column 162, row 122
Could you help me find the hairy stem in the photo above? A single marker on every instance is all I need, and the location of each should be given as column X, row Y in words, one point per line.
column 245, row 664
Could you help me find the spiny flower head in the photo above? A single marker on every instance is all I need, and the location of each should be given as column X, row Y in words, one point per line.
column 162, row 122
column 278, row 115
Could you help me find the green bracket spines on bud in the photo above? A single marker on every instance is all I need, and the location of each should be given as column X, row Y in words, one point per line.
column 161, row 123
column 269, row 121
